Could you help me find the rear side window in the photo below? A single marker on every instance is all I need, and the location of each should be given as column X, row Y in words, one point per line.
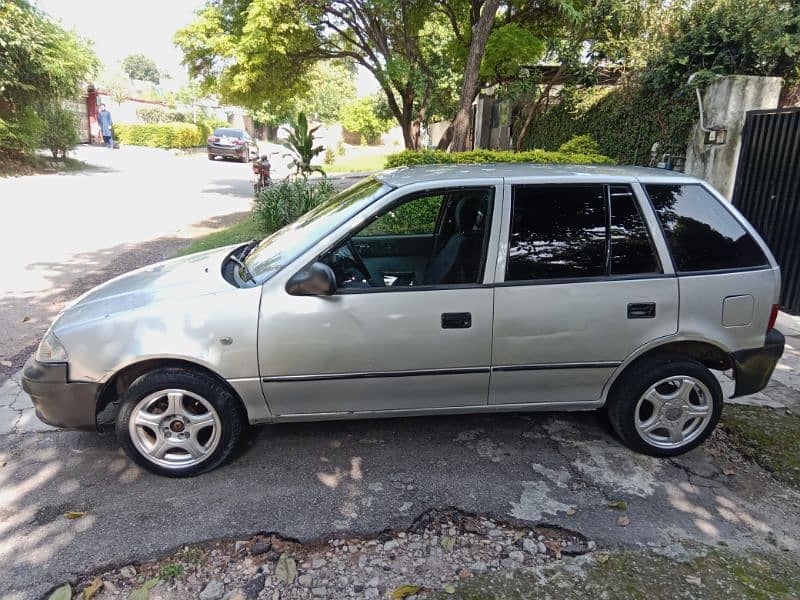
column 632, row 251
column 700, row 232
column 557, row 232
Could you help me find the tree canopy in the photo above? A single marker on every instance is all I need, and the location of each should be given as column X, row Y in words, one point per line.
column 40, row 63
column 139, row 66
column 257, row 51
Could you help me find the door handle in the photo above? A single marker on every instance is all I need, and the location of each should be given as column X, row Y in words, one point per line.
column 456, row 320
column 642, row 310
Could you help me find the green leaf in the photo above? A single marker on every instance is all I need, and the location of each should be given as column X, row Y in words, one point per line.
column 619, row 505
column 405, row 590
column 62, row 593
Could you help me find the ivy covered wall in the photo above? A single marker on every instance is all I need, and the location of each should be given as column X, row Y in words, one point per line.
column 624, row 120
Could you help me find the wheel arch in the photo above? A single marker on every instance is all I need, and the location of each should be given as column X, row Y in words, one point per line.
column 708, row 354
column 115, row 386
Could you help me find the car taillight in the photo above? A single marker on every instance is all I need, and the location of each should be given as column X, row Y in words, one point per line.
column 238, row 142
column 773, row 316
column 212, row 138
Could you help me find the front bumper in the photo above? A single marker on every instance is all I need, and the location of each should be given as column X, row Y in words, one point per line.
column 753, row 367
column 58, row 401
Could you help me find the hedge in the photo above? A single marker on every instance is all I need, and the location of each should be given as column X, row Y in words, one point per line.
column 161, row 135
column 434, row 157
column 625, row 121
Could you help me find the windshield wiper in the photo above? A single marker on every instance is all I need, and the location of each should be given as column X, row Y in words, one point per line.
column 243, row 266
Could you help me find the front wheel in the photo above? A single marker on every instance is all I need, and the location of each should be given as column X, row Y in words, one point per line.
column 665, row 406
column 179, row 422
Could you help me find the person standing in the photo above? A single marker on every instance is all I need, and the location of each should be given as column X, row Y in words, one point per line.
column 105, row 122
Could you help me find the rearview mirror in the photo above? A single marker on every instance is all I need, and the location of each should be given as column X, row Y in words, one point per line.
column 316, row 280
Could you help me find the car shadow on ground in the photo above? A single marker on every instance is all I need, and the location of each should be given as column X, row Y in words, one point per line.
column 308, row 481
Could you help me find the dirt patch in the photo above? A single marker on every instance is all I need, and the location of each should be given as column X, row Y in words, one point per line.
column 714, row 574
column 768, row 436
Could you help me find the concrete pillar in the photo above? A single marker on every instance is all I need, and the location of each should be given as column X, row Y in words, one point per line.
column 726, row 102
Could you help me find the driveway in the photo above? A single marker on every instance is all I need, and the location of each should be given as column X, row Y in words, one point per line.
column 62, row 234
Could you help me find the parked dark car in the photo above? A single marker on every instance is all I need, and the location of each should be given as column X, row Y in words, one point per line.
column 232, row 143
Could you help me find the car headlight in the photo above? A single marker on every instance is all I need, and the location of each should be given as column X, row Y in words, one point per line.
column 51, row 350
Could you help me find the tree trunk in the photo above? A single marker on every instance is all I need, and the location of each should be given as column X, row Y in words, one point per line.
column 458, row 132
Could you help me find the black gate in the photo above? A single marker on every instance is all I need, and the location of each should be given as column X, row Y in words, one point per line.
column 767, row 190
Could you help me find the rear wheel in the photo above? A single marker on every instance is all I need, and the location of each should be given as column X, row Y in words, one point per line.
column 665, row 406
column 179, row 422
column 210, row 157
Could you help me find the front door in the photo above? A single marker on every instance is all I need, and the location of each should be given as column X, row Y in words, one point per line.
column 410, row 324
column 583, row 288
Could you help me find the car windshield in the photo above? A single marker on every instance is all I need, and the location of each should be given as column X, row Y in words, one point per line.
column 234, row 133
column 280, row 248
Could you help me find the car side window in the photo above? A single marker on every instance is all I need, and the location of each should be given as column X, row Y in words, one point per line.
column 702, row 235
column 632, row 251
column 557, row 231
column 436, row 238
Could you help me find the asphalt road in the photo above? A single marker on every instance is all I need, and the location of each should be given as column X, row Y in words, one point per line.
column 312, row 481
column 309, row 481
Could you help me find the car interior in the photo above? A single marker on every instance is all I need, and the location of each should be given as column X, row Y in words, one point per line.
column 431, row 239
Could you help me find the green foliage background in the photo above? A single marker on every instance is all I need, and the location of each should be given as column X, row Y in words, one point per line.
column 161, row 135
column 624, row 121
column 285, row 201
column 433, row 157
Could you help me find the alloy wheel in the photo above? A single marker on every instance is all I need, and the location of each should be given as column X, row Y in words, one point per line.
column 175, row 428
column 673, row 412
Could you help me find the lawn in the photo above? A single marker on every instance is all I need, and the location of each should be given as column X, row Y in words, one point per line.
column 357, row 160
column 243, row 231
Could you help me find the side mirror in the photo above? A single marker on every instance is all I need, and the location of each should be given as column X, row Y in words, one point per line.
column 317, row 280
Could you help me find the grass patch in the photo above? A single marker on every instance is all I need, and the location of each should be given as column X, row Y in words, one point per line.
column 768, row 436
column 357, row 163
column 243, row 231
column 38, row 165
column 719, row 575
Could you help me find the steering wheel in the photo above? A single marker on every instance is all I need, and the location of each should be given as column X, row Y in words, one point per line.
column 359, row 262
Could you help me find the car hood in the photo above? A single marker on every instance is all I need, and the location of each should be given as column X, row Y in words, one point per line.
column 179, row 279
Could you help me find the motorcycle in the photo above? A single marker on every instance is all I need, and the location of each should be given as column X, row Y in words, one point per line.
column 262, row 172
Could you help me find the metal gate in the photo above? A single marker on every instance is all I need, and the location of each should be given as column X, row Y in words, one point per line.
column 767, row 190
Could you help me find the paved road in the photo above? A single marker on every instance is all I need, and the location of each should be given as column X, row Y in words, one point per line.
column 61, row 234
column 309, row 481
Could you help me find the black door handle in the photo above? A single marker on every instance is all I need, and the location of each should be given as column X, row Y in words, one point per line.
column 642, row 310
column 456, row 320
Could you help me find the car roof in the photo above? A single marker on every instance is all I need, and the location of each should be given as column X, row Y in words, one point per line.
column 518, row 172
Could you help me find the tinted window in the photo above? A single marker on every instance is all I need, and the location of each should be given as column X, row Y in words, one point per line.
column 556, row 232
column 701, row 233
column 234, row 133
column 632, row 252
column 415, row 217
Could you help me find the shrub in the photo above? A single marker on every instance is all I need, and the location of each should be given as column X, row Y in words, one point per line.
column 282, row 203
column 20, row 134
column 360, row 116
column 150, row 114
column 580, row 144
column 433, row 157
column 60, row 129
column 162, row 135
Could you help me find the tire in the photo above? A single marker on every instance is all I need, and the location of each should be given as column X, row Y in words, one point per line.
column 243, row 158
column 210, row 157
column 206, row 427
column 689, row 397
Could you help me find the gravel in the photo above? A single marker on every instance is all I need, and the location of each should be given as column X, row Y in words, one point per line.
column 440, row 549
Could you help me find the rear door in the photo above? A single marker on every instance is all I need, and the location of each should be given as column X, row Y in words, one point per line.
column 580, row 287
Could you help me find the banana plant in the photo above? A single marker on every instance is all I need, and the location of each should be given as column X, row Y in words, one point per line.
column 300, row 143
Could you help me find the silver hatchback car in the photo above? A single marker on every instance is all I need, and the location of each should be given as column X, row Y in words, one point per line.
column 431, row 290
